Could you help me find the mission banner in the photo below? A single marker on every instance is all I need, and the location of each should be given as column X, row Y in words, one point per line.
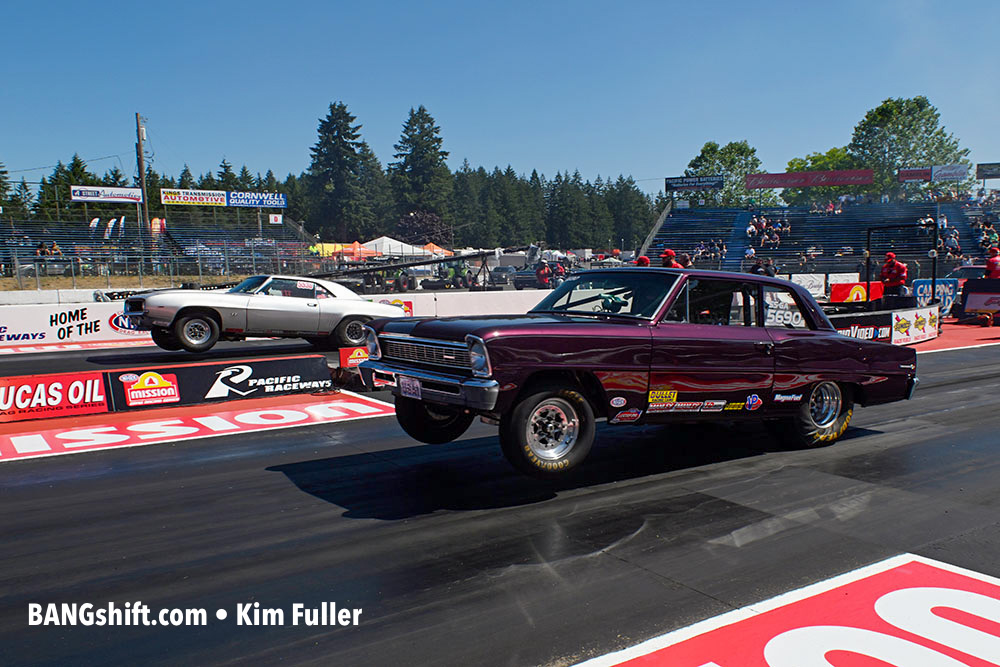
column 808, row 179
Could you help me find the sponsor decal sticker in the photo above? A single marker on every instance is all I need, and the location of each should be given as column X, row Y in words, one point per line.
column 754, row 402
column 663, row 396
column 627, row 416
column 787, row 398
column 713, row 406
column 686, row 406
column 150, row 388
column 350, row 357
column 902, row 325
column 618, row 402
column 735, row 406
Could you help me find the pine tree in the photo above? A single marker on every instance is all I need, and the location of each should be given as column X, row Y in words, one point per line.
column 226, row 176
column 5, row 187
column 245, row 180
column 186, row 180
column 22, row 201
column 420, row 178
column 115, row 178
column 376, row 213
column 467, row 208
column 333, row 176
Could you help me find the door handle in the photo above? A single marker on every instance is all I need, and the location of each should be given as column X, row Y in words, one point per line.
column 311, row 304
column 766, row 348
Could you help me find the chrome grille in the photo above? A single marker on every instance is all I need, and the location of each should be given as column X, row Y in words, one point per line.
column 426, row 353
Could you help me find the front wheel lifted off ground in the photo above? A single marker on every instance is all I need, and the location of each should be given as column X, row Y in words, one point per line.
column 549, row 432
column 164, row 339
column 432, row 424
column 196, row 332
column 823, row 416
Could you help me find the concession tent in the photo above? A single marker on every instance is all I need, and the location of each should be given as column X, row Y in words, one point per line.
column 438, row 250
column 389, row 246
column 352, row 250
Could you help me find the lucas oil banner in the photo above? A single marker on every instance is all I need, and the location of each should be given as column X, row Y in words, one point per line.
column 57, row 395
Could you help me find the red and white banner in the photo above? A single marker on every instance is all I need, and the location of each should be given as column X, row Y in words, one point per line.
column 45, row 396
column 193, row 197
column 844, row 292
column 914, row 175
column 808, row 179
column 66, row 436
column 905, row 611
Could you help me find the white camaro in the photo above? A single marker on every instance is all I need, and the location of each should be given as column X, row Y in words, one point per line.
column 322, row 312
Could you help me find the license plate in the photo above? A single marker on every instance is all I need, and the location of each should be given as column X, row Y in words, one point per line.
column 409, row 387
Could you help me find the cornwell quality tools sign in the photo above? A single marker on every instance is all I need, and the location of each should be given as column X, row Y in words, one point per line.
column 217, row 381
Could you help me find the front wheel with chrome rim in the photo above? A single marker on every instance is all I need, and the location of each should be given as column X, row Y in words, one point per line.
column 196, row 332
column 822, row 417
column 350, row 332
column 549, row 431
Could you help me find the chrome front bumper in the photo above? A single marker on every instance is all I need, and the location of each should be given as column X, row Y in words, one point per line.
column 911, row 386
column 473, row 393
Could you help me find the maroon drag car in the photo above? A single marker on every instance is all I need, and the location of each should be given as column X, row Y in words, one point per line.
column 634, row 346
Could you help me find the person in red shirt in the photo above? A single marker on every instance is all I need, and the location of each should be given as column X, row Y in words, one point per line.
column 542, row 274
column 642, row 260
column 893, row 274
column 668, row 259
column 993, row 264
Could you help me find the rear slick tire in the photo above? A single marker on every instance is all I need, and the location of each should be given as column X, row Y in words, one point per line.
column 822, row 419
column 549, row 432
column 432, row 424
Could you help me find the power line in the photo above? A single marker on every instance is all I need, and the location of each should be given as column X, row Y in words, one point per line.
column 53, row 166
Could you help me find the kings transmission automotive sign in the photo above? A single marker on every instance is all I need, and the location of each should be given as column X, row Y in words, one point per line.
column 189, row 384
column 58, row 395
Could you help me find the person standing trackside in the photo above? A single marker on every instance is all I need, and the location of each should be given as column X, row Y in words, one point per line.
column 893, row 275
column 642, row 260
column 543, row 274
column 993, row 264
column 667, row 258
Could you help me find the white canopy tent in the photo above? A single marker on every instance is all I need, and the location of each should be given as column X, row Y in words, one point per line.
column 390, row 246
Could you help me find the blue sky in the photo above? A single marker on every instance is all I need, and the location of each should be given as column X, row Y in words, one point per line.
column 606, row 88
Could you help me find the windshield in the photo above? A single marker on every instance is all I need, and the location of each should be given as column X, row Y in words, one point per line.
column 632, row 293
column 250, row 284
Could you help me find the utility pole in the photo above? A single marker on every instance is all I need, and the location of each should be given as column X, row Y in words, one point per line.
column 140, row 134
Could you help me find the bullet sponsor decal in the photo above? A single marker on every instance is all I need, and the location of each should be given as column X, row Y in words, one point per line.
column 172, row 424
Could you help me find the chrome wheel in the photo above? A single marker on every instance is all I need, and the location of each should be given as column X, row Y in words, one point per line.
column 355, row 332
column 552, row 429
column 197, row 331
column 824, row 404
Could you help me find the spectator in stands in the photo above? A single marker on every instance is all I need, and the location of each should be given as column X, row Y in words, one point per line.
column 668, row 259
column 722, row 249
column 952, row 247
column 758, row 267
column 55, row 250
column 684, row 260
column 769, row 268
column 41, row 250
column 830, row 208
column 751, row 229
column 893, row 275
column 750, row 253
column 815, row 208
column 993, row 264
column 642, row 260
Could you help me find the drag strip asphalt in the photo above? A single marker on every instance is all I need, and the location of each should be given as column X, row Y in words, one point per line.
column 456, row 559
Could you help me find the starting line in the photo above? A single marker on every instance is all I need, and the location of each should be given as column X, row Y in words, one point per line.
column 69, row 435
column 906, row 610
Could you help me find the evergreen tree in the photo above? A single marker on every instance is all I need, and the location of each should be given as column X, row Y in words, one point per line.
column 420, row 178
column 333, row 175
column 377, row 207
column 115, row 178
column 5, row 187
column 270, row 183
column 631, row 212
column 468, row 208
column 22, row 201
column 186, row 180
column 226, row 176
column 245, row 180
column 535, row 208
